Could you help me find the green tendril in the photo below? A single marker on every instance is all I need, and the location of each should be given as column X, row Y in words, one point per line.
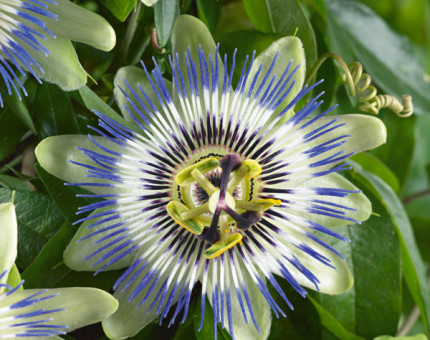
column 359, row 85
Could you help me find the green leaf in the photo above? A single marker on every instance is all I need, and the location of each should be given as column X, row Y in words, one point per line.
column 301, row 323
column 94, row 103
column 53, row 113
column 8, row 239
column 165, row 14
column 38, row 220
column 19, row 109
column 377, row 278
column 332, row 324
column 47, row 269
column 11, row 132
column 398, row 152
column 374, row 165
column 78, row 24
column 209, row 13
column 355, row 32
column 14, row 183
column 120, row 8
column 286, row 17
column 412, row 265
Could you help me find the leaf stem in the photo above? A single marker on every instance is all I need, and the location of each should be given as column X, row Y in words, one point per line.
column 414, row 196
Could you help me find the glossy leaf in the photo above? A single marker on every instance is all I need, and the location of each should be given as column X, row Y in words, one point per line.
column 11, row 132
column 165, row 14
column 398, row 152
column 53, row 113
column 209, row 13
column 286, row 17
column 47, row 269
column 412, row 265
column 120, row 8
column 94, row 102
column 332, row 324
column 374, row 165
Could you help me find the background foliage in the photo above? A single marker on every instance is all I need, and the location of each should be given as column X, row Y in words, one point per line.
column 389, row 253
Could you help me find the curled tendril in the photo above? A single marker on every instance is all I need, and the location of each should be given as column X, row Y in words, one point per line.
column 359, row 84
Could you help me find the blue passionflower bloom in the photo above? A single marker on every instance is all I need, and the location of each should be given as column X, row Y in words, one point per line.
column 35, row 38
column 203, row 182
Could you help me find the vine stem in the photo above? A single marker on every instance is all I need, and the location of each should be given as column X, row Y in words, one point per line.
column 342, row 64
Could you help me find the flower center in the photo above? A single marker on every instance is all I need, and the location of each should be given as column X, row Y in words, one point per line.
column 218, row 214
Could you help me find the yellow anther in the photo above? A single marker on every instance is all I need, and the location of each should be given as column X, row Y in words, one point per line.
column 254, row 168
column 175, row 209
column 220, row 247
column 204, row 166
column 258, row 205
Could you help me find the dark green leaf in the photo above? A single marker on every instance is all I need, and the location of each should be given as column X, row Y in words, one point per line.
column 120, row 8
column 412, row 265
column 94, row 103
column 285, row 17
column 332, row 324
column 398, row 151
column 374, row 165
column 13, row 183
column 11, row 132
column 48, row 267
column 302, row 323
column 53, row 113
column 38, row 220
column 377, row 277
column 353, row 29
column 165, row 14
column 209, row 13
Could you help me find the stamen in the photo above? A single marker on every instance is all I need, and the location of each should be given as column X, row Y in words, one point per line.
column 258, row 205
column 220, row 247
column 185, row 177
column 176, row 209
